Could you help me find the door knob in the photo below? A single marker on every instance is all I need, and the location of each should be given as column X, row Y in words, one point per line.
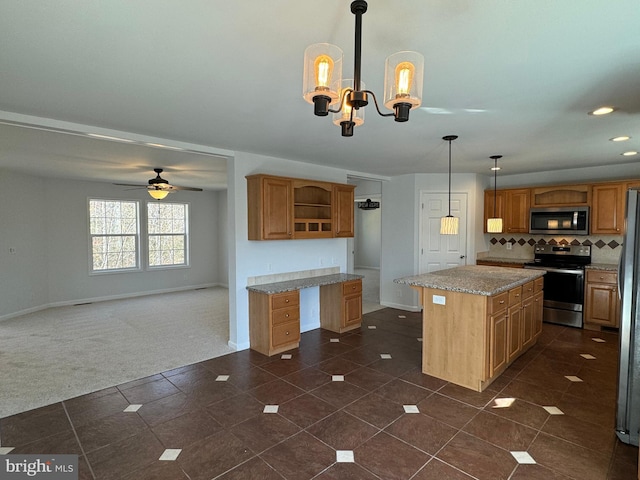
column 462, row 256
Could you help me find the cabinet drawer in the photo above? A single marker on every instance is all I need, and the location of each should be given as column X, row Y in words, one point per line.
column 285, row 299
column 527, row 290
column 354, row 286
column 515, row 296
column 288, row 314
column 285, row 333
column 499, row 302
column 599, row 276
column 538, row 284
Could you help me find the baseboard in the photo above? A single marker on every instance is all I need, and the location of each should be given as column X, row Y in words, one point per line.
column 106, row 298
column 399, row 306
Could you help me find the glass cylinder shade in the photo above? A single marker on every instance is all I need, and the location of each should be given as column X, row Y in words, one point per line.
column 345, row 112
column 449, row 225
column 322, row 72
column 494, row 225
column 403, row 79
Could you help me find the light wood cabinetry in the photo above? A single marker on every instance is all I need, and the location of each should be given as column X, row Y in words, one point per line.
column 274, row 321
column 341, row 306
column 538, row 305
column 561, row 195
column 489, row 263
column 282, row 208
column 602, row 304
column 343, row 196
column 312, row 209
column 270, row 212
column 470, row 339
column 489, row 212
column 607, row 208
column 516, row 218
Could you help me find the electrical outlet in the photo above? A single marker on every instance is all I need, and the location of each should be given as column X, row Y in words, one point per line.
column 439, row 300
column 509, row 245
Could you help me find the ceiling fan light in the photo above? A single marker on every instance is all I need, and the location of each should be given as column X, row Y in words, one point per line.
column 494, row 225
column 158, row 194
column 449, row 225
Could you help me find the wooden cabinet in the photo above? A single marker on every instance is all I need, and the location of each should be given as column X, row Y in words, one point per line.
column 343, row 196
column 274, row 321
column 516, row 218
column 602, row 304
column 281, row 208
column 514, row 324
column 312, row 209
column 489, row 212
column 607, row 208
column 538, row 306
column 561, row 195
column 498, row 333
column 341, row 306
column 270, row 208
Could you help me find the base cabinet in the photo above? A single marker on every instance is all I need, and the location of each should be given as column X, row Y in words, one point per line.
column 602, row 304
column 341, row 306
column 274, row 321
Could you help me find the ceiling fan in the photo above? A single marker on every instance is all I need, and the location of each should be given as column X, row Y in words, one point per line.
column 158, row 187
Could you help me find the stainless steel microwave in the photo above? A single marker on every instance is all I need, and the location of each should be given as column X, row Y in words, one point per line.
column 559, row 220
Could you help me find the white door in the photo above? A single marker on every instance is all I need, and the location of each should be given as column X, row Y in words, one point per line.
column 437, row 251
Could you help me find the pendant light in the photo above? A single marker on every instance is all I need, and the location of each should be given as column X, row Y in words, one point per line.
column 449, row 224
column 494, row 225
column 322, row 80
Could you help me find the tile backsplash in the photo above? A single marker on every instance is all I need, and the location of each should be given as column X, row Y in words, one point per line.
column 604, row 248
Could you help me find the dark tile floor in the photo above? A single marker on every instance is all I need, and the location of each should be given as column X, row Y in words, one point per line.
column 341, row 411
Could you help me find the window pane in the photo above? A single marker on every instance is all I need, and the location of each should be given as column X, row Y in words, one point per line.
column 113, row 225
column 167, row 228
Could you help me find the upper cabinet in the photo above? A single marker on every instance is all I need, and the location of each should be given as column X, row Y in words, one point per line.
column 607, row 208
column 560, row 195
column 516, row 218
column 291, row 208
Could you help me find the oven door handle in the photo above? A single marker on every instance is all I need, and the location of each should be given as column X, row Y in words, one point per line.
column 558, row 270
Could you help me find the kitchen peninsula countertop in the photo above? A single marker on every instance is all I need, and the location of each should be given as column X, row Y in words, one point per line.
column 506, row 260
column 306, row 282
column 474, row 279
column 610, row 267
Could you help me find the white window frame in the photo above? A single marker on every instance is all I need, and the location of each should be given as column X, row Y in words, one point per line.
column 92, row 235
column 186, row 237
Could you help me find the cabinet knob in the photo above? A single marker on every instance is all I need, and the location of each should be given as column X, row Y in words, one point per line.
column 287, row 333
column 517, row 294
column 501, row 302
column 601, row 277
column 287, row 315
column 286, row 301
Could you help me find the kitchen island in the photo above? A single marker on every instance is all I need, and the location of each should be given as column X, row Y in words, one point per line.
column 476, row 320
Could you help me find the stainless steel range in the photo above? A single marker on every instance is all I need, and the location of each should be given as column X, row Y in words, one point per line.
column 564, row 281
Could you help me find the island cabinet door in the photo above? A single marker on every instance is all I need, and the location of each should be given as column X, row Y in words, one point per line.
column 528, row 322
column 514, row 332
column 498, row 343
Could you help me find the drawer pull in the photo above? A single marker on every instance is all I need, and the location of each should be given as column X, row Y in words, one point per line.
column 287, row 333
column 517, row 294
column 501, row 302
column 353, row 287
column 286, row 315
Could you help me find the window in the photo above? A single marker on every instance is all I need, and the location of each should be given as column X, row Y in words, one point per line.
column 114, row 233
column 167, row 233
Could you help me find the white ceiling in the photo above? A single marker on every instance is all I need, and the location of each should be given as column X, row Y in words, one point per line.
column 510, row 77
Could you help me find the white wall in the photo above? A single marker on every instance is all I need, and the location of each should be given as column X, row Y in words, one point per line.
column 47, row 222
column 255, row 258
column 23, row 274
column 400, row 228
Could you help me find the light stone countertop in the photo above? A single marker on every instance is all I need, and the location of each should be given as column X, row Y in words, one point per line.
column 520, row 261
column 475, row 279
column 611, row 267
column 297, row 284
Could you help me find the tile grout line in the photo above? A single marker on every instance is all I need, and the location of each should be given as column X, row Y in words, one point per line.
column 75, row 434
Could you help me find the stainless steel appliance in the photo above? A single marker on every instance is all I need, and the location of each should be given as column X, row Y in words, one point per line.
column 564, row 281
column 628, row 406
column 559, row 220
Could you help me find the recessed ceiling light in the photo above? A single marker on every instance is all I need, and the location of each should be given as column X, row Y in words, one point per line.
column 108, row 137
column 622, row 138
column 629, row 154
column 602, row 111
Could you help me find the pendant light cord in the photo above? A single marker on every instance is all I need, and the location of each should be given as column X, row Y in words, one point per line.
column 449, row 178
column 495, row 185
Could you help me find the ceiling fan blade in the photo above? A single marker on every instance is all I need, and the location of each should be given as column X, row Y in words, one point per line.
column 193, row 189
column 131, row 185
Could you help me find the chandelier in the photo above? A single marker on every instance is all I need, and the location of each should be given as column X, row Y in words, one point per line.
column 449, row 223
column 494, row 224
column 323, row 85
